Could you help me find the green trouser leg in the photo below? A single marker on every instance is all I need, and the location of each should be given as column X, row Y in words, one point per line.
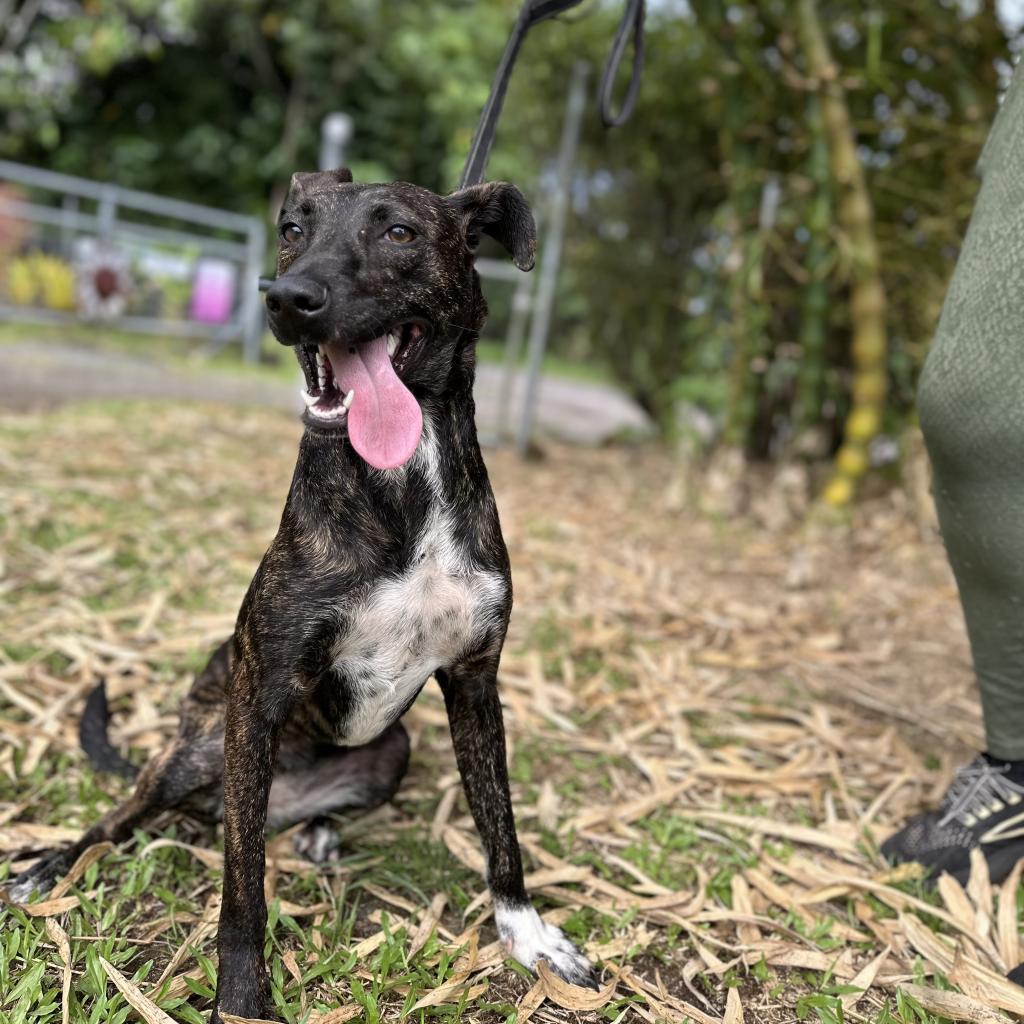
column 971, row 403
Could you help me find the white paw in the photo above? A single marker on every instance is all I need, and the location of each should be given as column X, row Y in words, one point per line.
column 317, row 842
column 528, row 938
column 20, row 889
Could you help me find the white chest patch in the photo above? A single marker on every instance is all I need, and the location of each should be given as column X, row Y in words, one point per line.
column 409, row 626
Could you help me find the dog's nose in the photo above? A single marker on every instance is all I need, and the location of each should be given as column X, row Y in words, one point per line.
column 297, row 296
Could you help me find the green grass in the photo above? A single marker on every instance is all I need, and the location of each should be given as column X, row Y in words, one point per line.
column 121, row 896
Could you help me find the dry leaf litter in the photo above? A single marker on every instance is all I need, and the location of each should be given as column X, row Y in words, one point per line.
column 779, row 687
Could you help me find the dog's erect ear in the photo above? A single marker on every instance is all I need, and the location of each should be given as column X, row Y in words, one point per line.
column 304, row 180
column 497, row 209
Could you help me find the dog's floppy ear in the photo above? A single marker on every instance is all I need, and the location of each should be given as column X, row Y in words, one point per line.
column 497, row 209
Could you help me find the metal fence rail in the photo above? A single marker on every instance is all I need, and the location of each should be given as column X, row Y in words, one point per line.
column 205, row 230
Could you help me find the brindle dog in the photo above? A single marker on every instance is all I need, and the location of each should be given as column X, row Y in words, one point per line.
column 388, row 567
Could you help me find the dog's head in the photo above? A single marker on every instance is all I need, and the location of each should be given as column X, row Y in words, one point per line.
column 377, row 292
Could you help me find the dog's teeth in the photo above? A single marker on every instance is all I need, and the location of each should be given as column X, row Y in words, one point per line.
column 309, row 399
column 392, row 345
column 346, row 402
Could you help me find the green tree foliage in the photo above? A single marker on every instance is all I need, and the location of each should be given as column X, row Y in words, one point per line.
column 748, row 316
column 705, row 260
column 220, row 101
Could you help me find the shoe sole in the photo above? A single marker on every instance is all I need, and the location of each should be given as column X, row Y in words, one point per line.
column 1000, row 864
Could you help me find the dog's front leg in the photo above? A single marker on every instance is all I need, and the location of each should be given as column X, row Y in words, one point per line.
column 478, row 736
column 251, row 733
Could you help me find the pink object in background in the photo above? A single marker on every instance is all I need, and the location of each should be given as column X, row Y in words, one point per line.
column 213, row 291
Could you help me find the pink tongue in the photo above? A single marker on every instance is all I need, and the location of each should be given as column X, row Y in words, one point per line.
column 384, row 421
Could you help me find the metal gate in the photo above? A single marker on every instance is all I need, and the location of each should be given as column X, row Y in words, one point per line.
column 90, row 227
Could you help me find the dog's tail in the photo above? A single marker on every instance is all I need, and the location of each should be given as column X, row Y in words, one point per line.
column 95, row 741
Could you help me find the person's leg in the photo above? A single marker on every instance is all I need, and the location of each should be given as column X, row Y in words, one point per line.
column 971, row 403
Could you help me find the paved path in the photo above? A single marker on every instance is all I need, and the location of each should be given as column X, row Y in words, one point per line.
column 40, row 375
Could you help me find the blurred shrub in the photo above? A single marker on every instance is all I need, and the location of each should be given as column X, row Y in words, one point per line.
column 41, row 280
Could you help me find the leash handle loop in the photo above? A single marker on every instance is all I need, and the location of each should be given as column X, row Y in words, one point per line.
column 632, row 23
column 531, row 13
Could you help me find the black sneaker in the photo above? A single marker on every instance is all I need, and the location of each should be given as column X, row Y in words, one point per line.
column 982, row 808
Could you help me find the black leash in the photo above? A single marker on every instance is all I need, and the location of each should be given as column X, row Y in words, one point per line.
column 531, row 13
column 632, row 23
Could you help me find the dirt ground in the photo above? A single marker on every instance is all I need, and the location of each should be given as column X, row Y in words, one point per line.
column 40, row 374
column 713, row 713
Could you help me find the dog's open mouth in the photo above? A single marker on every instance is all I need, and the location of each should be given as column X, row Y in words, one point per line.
column 358, row 388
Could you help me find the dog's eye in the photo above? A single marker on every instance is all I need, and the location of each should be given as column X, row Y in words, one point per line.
column 400, row 234
column 291, row 233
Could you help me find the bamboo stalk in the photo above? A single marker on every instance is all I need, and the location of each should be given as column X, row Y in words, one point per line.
column 740, row 165
column 855, row 215
column 748, row 326
column 814, row 312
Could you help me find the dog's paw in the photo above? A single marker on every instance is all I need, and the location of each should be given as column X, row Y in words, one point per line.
column 216, row 1016
column 528, row 939
column 245, row 995
column 20, row 888
column 38, row 878
column 318, row 841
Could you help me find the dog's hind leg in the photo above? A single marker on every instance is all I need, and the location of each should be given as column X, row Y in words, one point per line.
column 189, row 771
column 176, row 774
column 337, row 779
